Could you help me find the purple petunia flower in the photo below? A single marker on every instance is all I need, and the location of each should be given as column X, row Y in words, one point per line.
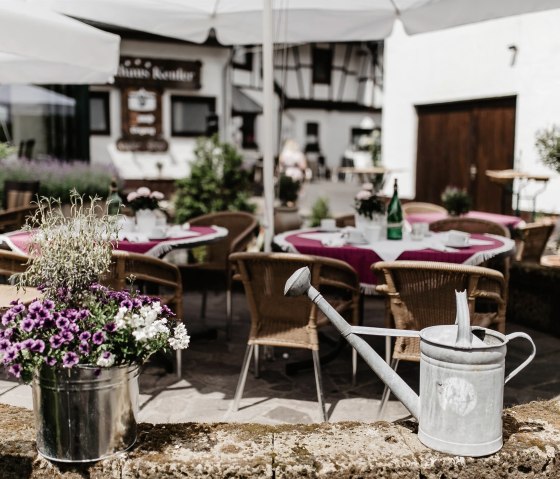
column 67, row 336
column 85, row 336
column 18, row 308
column 8, row 317
column 136, row 303
column 4, row 344
column 15, row 370
column 38, row 346
column 48, row 304
column 73, row 327
column 10, row 354
column 110, row 327
column 50, row 361
column 56, row 341
column 126, row 303
column 69, row 359
column 62, row 322
column 35, row 306
column 98, row 338
column 84, row 347
column 83, row 314
column 27, row 325
column 27, row 344
column 8, row 333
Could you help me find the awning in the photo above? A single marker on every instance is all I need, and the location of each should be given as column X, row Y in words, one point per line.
column 243, row 104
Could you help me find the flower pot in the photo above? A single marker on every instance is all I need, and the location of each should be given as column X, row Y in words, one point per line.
column 146, row 221
column 85, row 413
column 286, row 218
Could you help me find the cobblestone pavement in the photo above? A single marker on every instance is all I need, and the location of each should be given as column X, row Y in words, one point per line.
column 211, row 369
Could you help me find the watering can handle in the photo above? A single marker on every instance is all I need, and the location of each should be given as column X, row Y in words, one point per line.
column 511, row 336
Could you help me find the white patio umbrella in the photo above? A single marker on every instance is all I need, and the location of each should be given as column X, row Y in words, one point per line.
column 243, row 22
column 38, row 45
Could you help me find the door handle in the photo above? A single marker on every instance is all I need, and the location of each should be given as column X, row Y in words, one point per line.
column 473, row 171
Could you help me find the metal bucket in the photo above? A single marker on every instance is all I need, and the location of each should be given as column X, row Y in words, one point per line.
column 85, row 413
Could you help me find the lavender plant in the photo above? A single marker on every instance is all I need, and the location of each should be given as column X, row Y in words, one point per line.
column 78, row 321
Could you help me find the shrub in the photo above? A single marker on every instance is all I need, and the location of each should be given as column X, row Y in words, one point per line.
column 288, row 189
column 319, row 211
column 456, row 201
column 548, row 147
column 217, row 182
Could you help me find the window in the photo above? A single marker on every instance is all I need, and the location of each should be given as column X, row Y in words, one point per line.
column 99, row 123
column 242, row 59
column 322, row 65
column 190, row 115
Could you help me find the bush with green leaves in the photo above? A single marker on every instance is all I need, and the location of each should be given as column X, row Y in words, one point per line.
column 288, row 189
column 319, row 211
column 58, row 178
column 548, row 147
column 218, row 182
column 456, row 200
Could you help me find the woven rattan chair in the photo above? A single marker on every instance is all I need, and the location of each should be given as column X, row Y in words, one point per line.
column 11, row 263
column 345, row 220
column 418, row 207
column 151, row 276
column 470, row 225
column 277, row 320
column 14, row 219
column 532, row 241
column 241, row 228
column 422, row 294
column 19, row 193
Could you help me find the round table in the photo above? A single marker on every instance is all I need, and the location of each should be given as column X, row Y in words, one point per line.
column 510, row 222
column 136, row 243
column 361, row 257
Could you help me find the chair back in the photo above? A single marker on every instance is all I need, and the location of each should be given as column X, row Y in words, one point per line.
column 241, row 228
column 422, row 294
column 11, row 263
column 413, row 207
column 19, row 193
column 277, row 320
column 345, row 220
column 470, row 225
column 152, row 276
column 534, row 237
column 14, row 219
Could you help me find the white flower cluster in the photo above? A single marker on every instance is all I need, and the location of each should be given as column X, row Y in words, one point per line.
column 145, row 323
column 106, row 360
column 180, row 339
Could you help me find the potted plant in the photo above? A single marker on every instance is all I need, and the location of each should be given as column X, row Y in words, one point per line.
column 286, row 215
column 319, row 211
column 81, row 344
column 548, row 147
column 370, row 208
column 456, row 200
column 145, row 204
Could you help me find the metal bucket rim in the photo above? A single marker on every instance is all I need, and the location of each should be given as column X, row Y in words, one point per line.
column 490, row 332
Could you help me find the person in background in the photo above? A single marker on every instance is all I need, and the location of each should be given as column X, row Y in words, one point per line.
column 292, row 161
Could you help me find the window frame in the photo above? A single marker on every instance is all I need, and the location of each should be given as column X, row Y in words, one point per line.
column 104, row 96
column 208, row 100
column 320, row 56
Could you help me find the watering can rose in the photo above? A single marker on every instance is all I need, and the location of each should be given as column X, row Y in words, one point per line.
column 109, row 328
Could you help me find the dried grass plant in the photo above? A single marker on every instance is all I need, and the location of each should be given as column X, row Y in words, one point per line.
column 69, row 253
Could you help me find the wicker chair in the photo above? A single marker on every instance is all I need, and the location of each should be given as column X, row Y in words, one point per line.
column 14, row 219
column 282, row 321
column 533, row 239
column 418, row 207
column 11, row 263
column 345, row 220
column 19, row 193
column 422, row 294
column 470, row 225
column 153, row 277
column 241, row 230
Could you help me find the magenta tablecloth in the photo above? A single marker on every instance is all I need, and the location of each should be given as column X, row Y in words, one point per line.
column 505, row 220
column 18, row 241
column 361, row 258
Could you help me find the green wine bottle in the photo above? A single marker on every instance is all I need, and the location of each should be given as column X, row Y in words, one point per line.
column 114, row 201
column 394, row 216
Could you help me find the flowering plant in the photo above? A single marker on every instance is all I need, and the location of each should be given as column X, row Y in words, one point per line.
column 144, row 199
column 108, row 328
column 78, row 321
column 367, row 203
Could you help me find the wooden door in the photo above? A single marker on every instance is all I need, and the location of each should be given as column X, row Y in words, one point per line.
column 458, row 142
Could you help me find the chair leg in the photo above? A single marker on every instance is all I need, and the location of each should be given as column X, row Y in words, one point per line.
column 257, row 369
column 354, row 365
column 318, row 380
column 178, row 360
column 388, row 346
column 229, row 314
column 386, row 392
column 242, row 378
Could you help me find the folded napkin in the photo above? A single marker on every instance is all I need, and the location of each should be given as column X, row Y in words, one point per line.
column 133, row 236
column 326, row 239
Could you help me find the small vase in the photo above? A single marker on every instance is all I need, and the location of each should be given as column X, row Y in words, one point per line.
column 366, row 225
column 85, row 413
column 286, row 218
column 146, row 221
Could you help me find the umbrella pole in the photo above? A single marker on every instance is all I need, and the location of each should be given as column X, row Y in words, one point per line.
column 268, row 149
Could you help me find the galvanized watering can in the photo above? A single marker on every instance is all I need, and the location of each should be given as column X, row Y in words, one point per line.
column 462, row 368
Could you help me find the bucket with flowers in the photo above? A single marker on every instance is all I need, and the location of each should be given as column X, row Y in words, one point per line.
column 81, row 343
column 145, row 204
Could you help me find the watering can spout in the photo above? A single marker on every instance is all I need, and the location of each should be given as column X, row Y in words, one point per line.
column 463, row 321
column 299, row 283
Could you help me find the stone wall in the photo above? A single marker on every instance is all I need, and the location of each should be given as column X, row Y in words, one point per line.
column 331, row 450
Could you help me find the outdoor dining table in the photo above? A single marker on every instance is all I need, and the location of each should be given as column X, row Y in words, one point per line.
column 510, row 222
column 481, row 248
column 138, row 243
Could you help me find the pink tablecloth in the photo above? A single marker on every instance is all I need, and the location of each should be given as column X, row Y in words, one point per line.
column 361, row 258
column 505, row 220
column 196, row 235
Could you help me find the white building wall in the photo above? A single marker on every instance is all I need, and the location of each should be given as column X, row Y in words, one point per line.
column 475, row 62
column 212, row 80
